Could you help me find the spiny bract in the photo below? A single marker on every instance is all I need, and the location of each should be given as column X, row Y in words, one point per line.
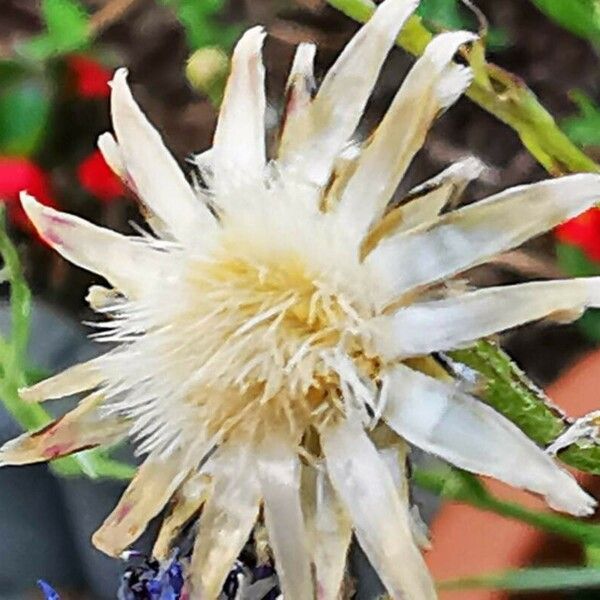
column 273, row 334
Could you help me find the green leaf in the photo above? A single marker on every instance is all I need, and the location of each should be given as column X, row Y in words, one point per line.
column 24, row 114
column 201, row 23
column 529, row 580
column 584, row 129
column 67, row 30
column 573, row 260
column 442, row 14
column 581, row 17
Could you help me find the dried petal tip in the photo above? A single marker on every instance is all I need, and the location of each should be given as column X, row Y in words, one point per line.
column 112, row 154
column 570, row 498
column 75, row 379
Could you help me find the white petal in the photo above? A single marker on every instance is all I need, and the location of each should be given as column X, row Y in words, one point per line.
column 424, row 202
column 82, row 428
column 439, row 418
column 112, row 154
column 187, row 502
column 75, row 379
column 239, row 142
column 439, row 191
column 336, row 110
column 227, row 520
column 331, row 534
column 471, row 235
column 149, row 491
column 432, row 85
column 154, row 172
column 365, row 486
column 299, row 91
column 453, row 322
column 279, row 474
column 127, row 263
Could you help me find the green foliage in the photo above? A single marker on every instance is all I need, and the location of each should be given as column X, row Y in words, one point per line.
column 13, row 373
column 530, row 580
column 67, row 30
column 584, row 128
column 581, row 17
column 573, row 260
column 201, row 23
column 25, row 107
column 442, row 15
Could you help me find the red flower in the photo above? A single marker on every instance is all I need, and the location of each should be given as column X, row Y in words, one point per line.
column 90, row 78
column 98, row 179
column 583, row 231
column 16, row 175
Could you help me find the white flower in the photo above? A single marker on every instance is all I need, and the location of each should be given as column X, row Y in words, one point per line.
column 273, row 334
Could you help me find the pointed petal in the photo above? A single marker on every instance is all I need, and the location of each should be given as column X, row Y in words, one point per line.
column 299, row 91
column 83, row 428
column 430, row 198
column 471, row 235
column 112, row 154
column 154, row 172
column 187, row 502
column 75, row 379
column 432, row 85
column 329, row 124
column 424, row 202
column 147, row 494
column 365, row 486
column 127, row 263
column 462, row 319
column 279, row 475
column 239, row 142
column 330, row 534
column 395, row 456
column 227, row 519
column 440, row 419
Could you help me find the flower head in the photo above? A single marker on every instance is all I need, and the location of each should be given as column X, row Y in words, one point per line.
column 273, row 335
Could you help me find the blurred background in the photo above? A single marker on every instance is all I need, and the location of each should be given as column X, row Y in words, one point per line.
column 56, row 59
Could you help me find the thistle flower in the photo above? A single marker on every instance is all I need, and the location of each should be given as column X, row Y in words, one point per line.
column 274, row 333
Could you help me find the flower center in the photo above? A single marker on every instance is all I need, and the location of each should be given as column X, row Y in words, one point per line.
column 267, row 336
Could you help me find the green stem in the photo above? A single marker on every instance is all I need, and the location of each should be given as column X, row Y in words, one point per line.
column 459, row 486
column 500, row 93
